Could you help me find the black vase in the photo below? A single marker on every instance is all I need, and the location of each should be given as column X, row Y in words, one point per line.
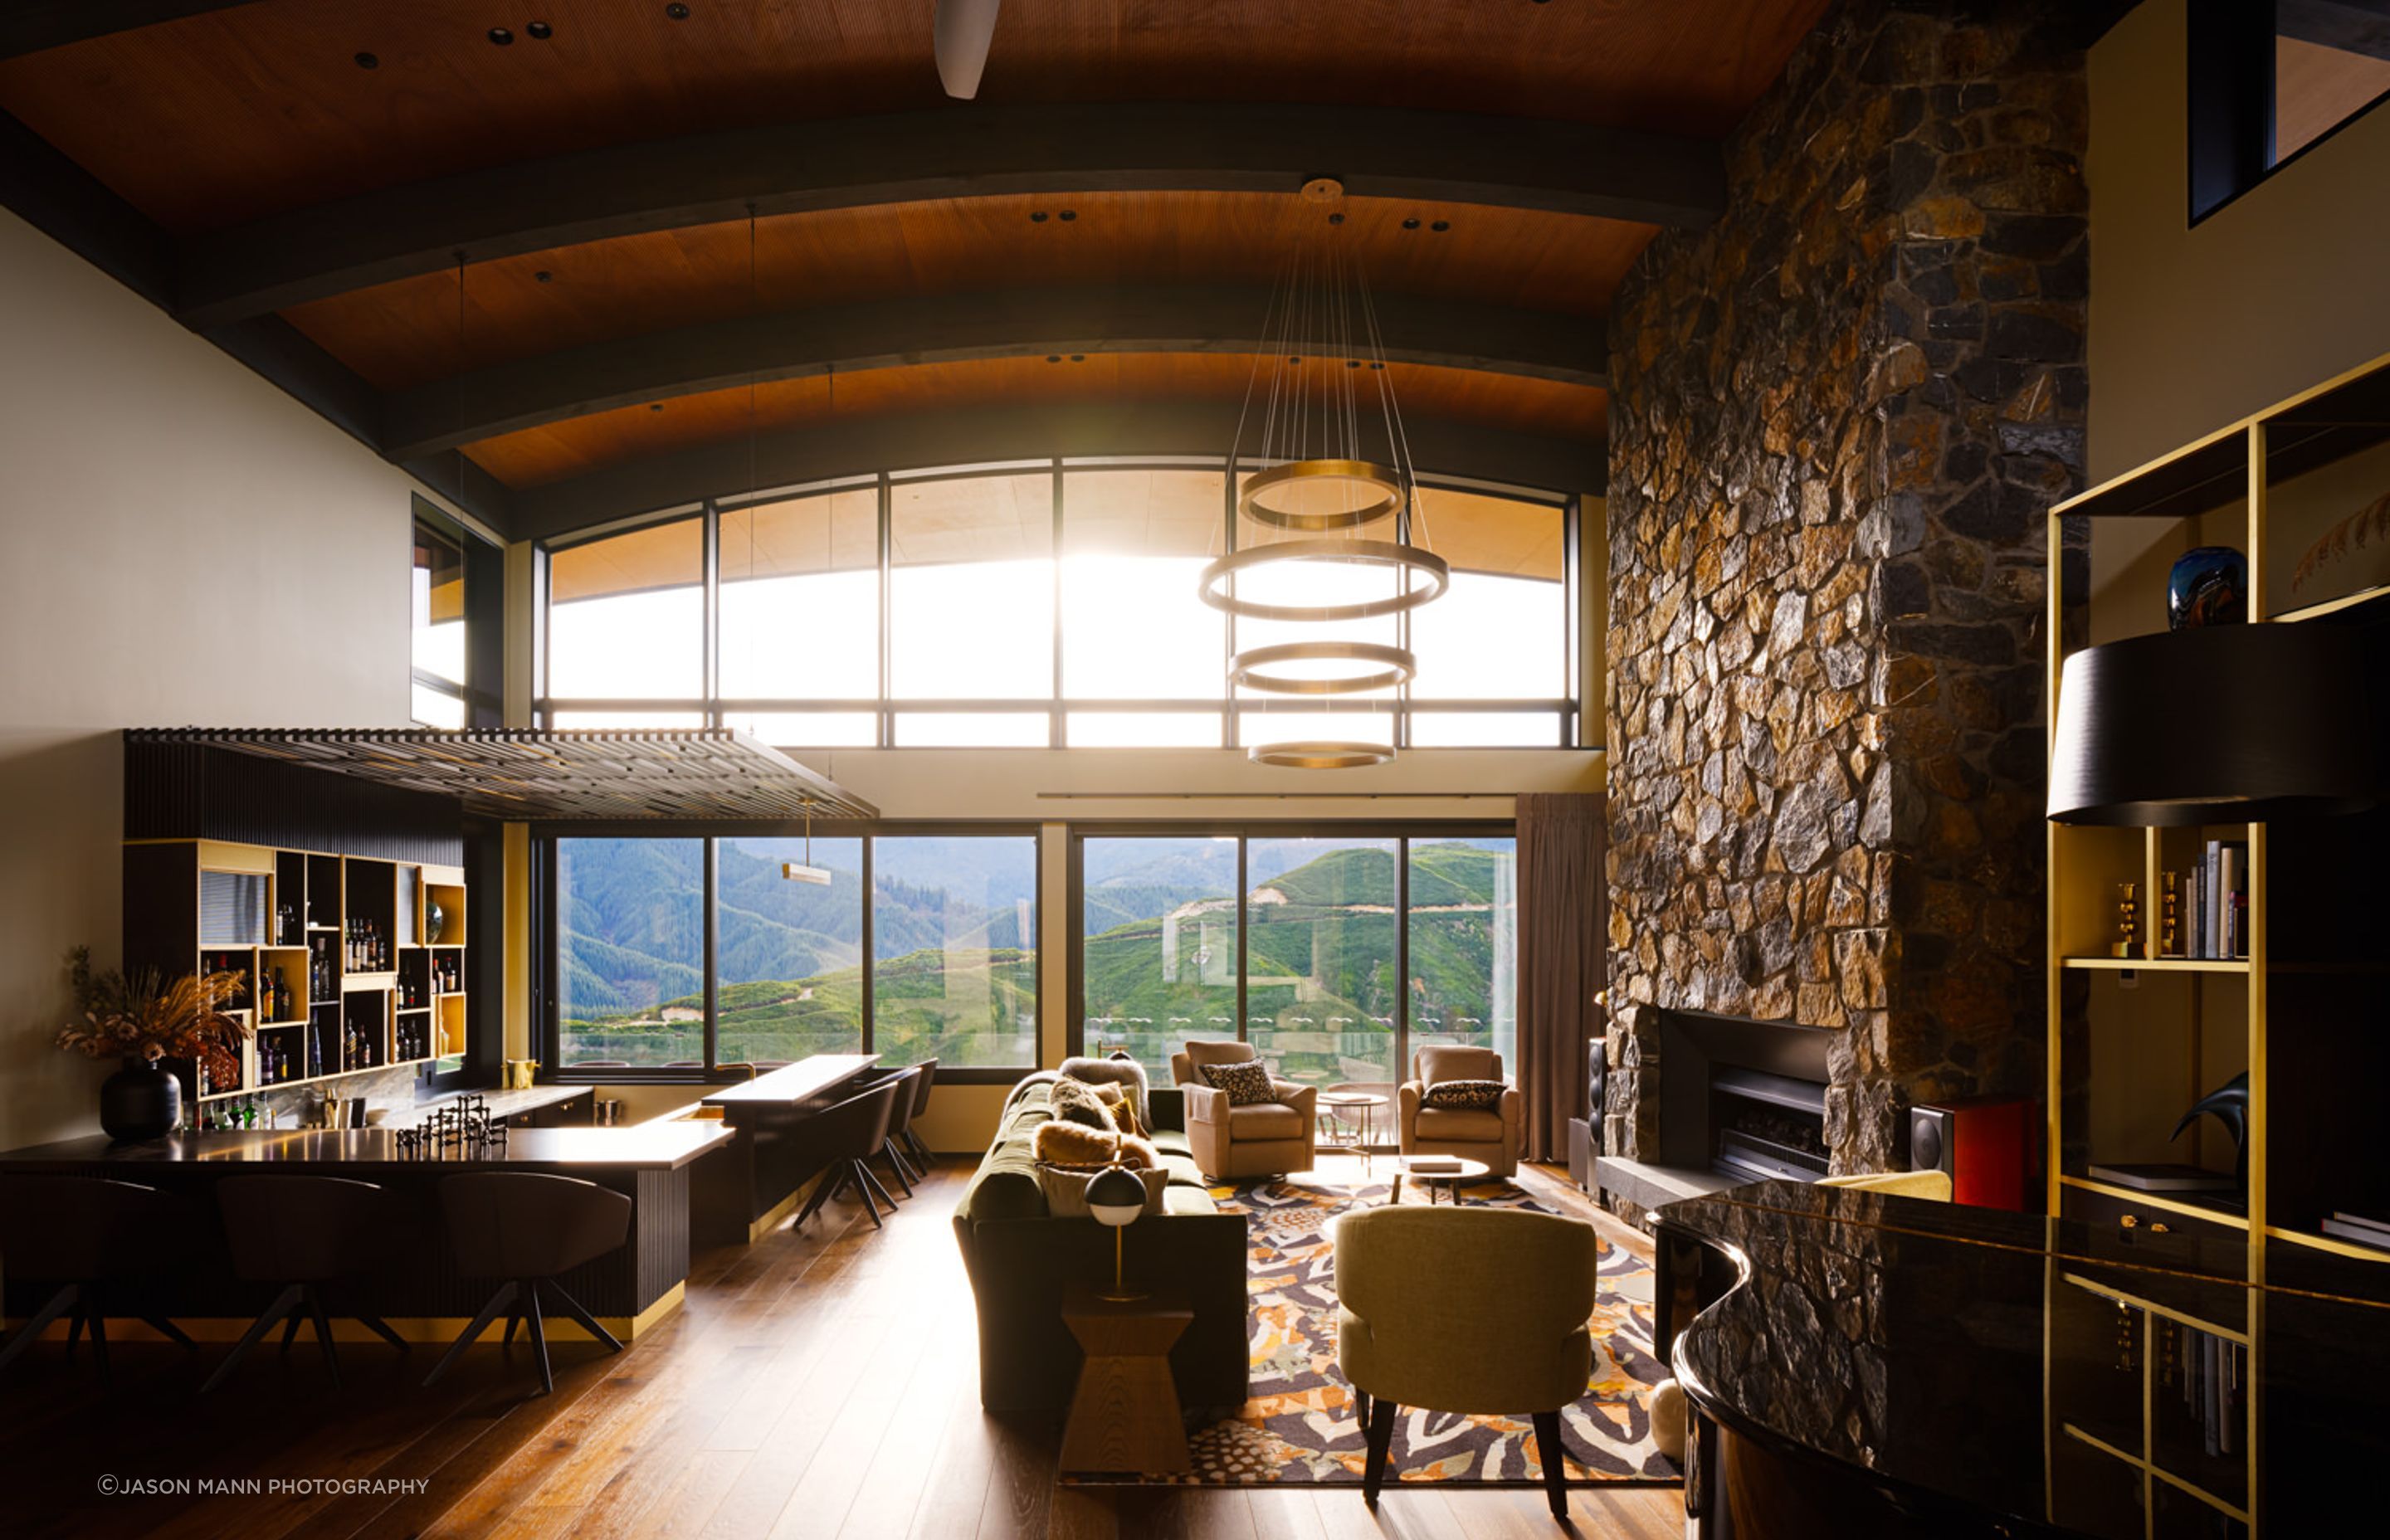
column 139, row 1102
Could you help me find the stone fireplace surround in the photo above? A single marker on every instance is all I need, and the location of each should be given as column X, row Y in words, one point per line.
column 1839, row 416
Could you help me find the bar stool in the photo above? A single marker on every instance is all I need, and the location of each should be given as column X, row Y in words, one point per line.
column 912, row 1141
column 303, row 1232
column 96, row 1240
column 852, row 1132
column 527, row 1228
column 899, row 1122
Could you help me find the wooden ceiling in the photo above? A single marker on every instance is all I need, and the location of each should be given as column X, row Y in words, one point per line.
column 601, row 242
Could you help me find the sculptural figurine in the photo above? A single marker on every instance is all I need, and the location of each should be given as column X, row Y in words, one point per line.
column 2229, row 1104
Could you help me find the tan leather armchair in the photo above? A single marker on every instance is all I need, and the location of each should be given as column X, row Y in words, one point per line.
column 1492, row 1137
column 1417, row 1322
column 1243, row 1141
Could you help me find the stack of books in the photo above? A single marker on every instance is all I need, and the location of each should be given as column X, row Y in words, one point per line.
column 2358, row 1228
column 2210, row 902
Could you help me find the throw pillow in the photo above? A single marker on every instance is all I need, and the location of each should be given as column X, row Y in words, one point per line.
column 1116, row 1101
column 1248, row 1083
column 1125, row 1072
column 1470, row 1096
column 1073, row 1144
column 1075, row 1101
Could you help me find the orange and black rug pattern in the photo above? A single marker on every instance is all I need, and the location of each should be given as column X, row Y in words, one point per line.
column 1299, row 1423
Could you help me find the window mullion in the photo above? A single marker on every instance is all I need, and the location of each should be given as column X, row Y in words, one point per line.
column 1402, row 957
column 870, row 940
column 711, row 884
column 1244, row 951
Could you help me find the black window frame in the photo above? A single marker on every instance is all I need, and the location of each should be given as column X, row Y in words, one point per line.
column 1403, row 831
column 712, row 708
column 2230, row 106
column 480, row 691
column 547, row 995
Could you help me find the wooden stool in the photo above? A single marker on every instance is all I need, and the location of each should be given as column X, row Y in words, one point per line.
column 1125, row 1415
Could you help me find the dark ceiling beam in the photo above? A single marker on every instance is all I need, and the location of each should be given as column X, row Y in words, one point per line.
column 30, row 26
column 958, row 328
column 1201, row 430
column 959, row 151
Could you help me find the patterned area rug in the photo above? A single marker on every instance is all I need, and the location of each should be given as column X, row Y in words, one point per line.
column 1299, row 1425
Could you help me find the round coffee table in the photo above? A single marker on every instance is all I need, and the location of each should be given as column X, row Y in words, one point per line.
column 1347, row 1122
column 1462, row 1170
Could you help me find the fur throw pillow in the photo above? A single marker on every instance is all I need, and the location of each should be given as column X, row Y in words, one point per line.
column 1074, row 1101
column 1118, row 1070
column 1248, row 1083
column 1466, row 1096
column 1058, row 1143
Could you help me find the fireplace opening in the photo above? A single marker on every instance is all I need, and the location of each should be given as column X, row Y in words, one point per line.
column 1767, row 1126
column 1739, row 1100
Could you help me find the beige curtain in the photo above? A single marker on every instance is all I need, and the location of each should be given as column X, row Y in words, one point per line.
column 1563, row 962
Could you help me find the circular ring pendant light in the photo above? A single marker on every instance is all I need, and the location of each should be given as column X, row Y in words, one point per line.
column 1383, row 480
column 1339, row 673
column 1321, row 754
column 1220, row 588
column 1320, row 398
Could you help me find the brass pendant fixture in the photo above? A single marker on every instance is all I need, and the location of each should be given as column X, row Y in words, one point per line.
column 1329, row 496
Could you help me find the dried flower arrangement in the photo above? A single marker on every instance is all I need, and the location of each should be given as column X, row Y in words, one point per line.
column 142, row 1015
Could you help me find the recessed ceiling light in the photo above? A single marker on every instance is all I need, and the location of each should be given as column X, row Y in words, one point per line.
column 1410, row 223
column 367, row 61
column 1038, row 216
column 1440, row 225
column 1078, row 359
column 544, row 276
column 1335, row 218
column 1053, row 358
column 1069, row 214
column 655, row 406
column 501, row 36
column 540, row 29
column 1352, row 363
column 678, row 11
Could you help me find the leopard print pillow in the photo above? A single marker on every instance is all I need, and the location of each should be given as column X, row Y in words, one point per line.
column 1248, row 1083
column 1465, row 1096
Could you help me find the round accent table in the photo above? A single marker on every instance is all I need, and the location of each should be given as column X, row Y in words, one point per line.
column 1348, row 1121
column 1449, row 1171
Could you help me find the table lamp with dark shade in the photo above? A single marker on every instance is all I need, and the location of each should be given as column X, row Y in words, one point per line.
column 2224, row 723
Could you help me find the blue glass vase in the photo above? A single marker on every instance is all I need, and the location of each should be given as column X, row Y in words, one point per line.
column 2209, row 586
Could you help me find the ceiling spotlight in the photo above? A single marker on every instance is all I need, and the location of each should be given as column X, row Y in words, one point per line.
column 540, row 29
column 501, row 36
column 367, row 61
column 1335, row 218
column 544, row 276
column 1069, row 214
column 1038, row 217
column 1078, row 359
column 1412, row 224
column 678, row 11
column 1053, row 358
column 655, row 406
column 1440, row 225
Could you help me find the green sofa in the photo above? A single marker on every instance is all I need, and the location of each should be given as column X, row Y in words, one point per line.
column 1020, row 1258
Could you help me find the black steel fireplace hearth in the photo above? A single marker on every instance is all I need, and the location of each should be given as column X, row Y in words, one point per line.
column 1740, row 1100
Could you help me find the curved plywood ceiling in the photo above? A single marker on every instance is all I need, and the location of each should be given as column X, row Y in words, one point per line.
column 312, row 183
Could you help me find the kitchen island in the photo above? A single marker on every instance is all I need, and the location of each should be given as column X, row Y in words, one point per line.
column 418, row 1289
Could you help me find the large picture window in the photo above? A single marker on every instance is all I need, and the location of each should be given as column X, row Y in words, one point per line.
column 1334, row 955
column 1046, row 604
column 919, row 945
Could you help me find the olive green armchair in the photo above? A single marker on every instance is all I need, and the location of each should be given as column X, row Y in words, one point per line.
column 1414, row 1326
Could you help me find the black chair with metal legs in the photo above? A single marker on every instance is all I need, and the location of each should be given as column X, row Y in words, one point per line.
column 910, row 1139
column 304, row 1232
column 900, row 1123
column 528, row 1229
column 100, row 1241
column 851, row 1133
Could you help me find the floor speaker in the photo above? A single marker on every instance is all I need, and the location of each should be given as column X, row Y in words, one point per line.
column 1989, row 1146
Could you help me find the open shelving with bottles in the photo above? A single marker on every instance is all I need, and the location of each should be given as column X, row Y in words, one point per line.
column 323, row 947
column 2142, row 1027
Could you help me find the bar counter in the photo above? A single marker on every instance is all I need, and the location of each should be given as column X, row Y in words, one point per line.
column 764, row 1174
column 418, row 1289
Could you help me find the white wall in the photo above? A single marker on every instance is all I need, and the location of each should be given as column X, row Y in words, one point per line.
column 185, row 545
column 2194, row 328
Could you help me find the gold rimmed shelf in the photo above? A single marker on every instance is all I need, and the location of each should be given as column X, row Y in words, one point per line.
column 2333, row 1244
column 2159, row 965
column 2156, row 1200
column 2333, row 607
column 2157, row 1471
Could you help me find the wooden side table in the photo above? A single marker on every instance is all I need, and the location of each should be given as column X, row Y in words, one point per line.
column 1125, row 1415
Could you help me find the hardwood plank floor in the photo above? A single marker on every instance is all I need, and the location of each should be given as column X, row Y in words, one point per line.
column 820, row 1384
